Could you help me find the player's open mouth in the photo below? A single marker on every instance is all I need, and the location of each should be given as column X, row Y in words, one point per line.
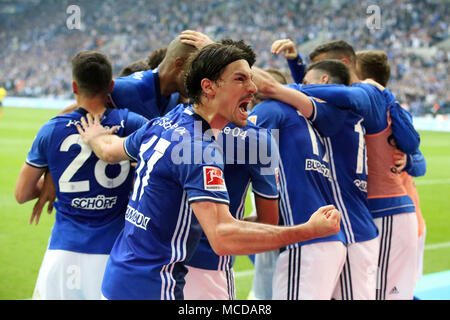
column 243, row 107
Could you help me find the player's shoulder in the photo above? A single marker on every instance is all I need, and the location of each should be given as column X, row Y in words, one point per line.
column 370, row 89
column 137, row 76
column 270, row 111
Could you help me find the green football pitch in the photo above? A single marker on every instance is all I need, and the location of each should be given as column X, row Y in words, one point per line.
column 22, row 246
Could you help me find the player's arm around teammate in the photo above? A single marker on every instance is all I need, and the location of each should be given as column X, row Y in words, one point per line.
column 219, row 104
column 227, row 235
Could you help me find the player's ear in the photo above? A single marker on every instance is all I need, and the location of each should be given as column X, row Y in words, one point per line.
column 74, row 87
column 324, row 79
column 346, row 61
column 208, row 87
column 111, row 86
column 179, row 63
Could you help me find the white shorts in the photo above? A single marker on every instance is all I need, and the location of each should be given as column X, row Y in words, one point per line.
column 203, row 284
column 309, row 272
column 397, row 260
column 358, row 280
column 265, row 263
column 67, row 275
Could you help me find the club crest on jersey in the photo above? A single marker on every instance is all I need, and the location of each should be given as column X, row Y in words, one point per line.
column 252, row 119
column 319, row 100
column 213, row 179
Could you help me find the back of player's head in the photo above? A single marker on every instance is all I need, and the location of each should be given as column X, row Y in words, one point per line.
column 337, row 49
column 139, row 65
column 177, row 49
column 92, row 71
column 373, row 64
column 336, row 70
column 211, row 61
column 280, row 76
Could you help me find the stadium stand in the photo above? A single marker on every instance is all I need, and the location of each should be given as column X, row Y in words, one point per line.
column 37, row 43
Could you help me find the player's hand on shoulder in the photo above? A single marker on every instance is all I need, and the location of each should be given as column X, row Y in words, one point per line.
column 90, row 128
column 285, row 46
column 325, row 221
column 374, row 83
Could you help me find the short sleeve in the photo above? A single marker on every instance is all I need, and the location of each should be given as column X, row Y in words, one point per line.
column 37, row 156
column 327, row 118
column 132, row 143
column 204, row 181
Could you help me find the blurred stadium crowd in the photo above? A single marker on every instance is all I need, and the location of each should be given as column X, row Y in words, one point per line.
column 37, row 44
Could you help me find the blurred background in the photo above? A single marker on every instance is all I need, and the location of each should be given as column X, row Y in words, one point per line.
column 37, row 43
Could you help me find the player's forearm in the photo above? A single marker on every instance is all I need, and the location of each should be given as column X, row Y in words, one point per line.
column 109, row 148
column 242, row 237
column 29, row 184
column 295, row 98
column 68, row 109
column 271, row 88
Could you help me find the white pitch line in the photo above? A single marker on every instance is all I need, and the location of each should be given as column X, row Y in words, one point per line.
column 244, row 273
column 431, row 181
column 434, row 246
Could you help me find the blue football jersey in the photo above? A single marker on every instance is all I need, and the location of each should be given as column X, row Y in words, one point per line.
column 177, row 163
column 251, row 157
column 374, row 105
column 140, row 92
column 305, row 177
column 91, row 194
column 343, row 132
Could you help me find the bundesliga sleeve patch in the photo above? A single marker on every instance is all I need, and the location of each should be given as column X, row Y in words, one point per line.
column 213, row 179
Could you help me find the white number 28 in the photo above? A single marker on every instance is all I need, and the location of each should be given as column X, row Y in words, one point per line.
column 65, row 183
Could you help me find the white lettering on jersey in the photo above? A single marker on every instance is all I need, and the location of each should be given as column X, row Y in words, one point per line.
column 316, row 165
column 138, row 75
column 97, row 203
column 361, row 184
column 136, row 218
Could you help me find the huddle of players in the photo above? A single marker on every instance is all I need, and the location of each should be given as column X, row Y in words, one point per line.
column 322, row 160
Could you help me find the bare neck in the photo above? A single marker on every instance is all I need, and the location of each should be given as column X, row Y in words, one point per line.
column 215, row 120
column 166, row 83
column 353, row 77
column 95, row 105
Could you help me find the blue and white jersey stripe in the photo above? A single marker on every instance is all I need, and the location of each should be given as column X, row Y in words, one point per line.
column 178, row 249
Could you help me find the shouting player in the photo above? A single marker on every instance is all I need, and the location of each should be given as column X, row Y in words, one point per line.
column 170, row 202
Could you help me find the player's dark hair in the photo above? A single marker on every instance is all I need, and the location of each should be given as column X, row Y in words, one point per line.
column 373, row 64
column 139, row 65
column 92, row 71
column 336, row 70
column 337, row 49
column 210, row 63
column 155, row 58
